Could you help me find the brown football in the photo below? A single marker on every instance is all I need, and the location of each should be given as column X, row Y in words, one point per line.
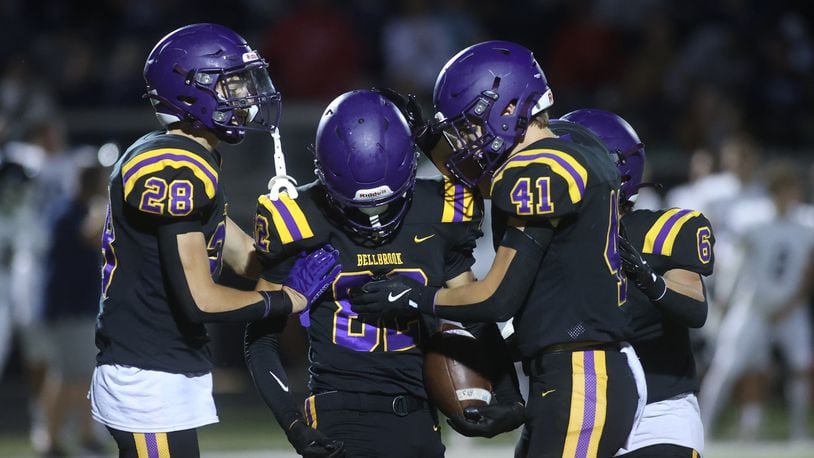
column 455, row 370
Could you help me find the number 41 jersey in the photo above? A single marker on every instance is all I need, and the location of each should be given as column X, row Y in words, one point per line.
column 434, row 244
column 573, row 188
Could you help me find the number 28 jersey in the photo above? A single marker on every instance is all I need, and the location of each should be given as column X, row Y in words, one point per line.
column 579, row 287
column 434, row 244
column 160, row 179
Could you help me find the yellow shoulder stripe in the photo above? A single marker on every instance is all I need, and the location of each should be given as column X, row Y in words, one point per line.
column 661, row 237
column 156, row 160
column 561, row 163
column 288, row 218
column 459, row 202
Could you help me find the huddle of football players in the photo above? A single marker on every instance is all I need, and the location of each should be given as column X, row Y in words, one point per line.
column 371, row 258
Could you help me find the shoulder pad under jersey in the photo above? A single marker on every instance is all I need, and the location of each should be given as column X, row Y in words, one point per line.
column 540, row 183
column 169, row 182
column 685, row 237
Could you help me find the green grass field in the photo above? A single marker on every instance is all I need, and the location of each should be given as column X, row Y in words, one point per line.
column 247, row 430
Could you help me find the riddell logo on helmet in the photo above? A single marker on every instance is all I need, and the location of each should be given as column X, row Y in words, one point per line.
column 249, row 56
column 372, row 194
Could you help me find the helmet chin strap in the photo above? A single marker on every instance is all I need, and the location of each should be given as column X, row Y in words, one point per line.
column 281, row 181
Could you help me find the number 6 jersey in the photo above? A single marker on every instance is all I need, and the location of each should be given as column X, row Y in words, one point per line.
column 667, row 239
column 434, row 244
column 160, row 179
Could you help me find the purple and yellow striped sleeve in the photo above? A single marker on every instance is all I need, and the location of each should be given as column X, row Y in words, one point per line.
column 660, row 239
column 459, row 203
column 169, row 182
column 283, row 217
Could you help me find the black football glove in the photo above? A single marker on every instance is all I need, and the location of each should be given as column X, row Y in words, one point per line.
column 640, row 272
column 425, row 137
column 392, row 297
column 311, row 443
column 489, row 421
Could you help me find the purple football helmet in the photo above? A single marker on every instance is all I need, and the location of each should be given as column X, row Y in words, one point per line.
column 471, row 96
column 621, row 140
column 208, row 74
column 366, row 158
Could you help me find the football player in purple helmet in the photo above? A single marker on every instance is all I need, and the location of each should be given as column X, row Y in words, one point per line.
column 166, row 238
column 385, row 222
column 664, row 253
column 557, row 270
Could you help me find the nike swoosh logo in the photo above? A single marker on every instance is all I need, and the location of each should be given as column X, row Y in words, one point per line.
column 279, row 382
column 418, row 239
column 392, row 298
column 548, row 392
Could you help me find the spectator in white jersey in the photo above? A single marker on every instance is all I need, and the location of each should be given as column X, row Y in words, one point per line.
column 767, row 306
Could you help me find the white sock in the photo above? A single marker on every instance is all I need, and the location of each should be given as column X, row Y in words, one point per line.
column 751, row 418
column 797, row 392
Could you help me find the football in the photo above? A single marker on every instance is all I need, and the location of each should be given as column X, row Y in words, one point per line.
column 455, row 370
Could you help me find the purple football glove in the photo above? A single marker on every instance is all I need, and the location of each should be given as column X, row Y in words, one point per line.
column 312, row 274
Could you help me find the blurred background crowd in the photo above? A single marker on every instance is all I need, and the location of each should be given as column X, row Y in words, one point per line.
column 716, row 90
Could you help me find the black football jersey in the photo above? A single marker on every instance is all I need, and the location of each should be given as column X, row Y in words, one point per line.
column 667, row 239
column 579, row 285
column 434, row 244
column 160, row 179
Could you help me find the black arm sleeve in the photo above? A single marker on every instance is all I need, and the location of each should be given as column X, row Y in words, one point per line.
column 531, row 246
column 273, row 303
column 503, row 376
column 261, row 349
column 683, row 309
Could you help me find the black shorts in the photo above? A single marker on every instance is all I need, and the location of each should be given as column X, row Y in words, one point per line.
column 581, row 404
column 376, row 425
column 157, row 445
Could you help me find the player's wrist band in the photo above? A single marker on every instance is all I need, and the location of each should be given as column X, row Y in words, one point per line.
column 425, row 300
column 276, row 303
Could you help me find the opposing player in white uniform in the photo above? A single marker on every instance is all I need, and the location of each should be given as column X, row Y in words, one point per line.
column 767, row 305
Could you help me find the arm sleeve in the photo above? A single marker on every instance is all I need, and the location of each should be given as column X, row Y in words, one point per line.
column 275, row 303
column 261, row 348
column 460, row 258
column 531, row 246
column 683, row 309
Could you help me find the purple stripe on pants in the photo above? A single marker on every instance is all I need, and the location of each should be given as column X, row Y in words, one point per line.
column 589, row 408
column 152, row 446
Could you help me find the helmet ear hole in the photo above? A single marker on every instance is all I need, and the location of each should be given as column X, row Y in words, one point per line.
column 187, row 100
column 509, row 108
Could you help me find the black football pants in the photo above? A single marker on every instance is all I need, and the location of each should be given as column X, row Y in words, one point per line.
column 581, row 404
column 176, row 444
column 376, row 425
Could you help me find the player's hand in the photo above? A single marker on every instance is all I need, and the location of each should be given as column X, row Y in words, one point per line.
column 311, row 275
column 425, row 137
column 392, row 297
column 489, row 421
column 639, row 271
column 311, row 443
